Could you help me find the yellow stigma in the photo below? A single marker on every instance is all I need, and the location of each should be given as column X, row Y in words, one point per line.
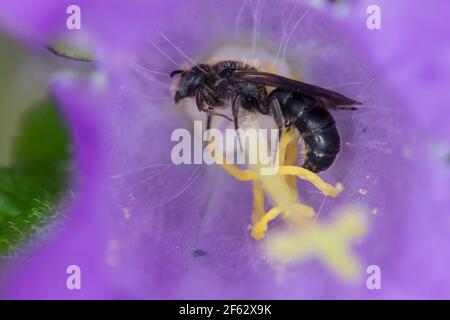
column 330, row 243
column 303, row 238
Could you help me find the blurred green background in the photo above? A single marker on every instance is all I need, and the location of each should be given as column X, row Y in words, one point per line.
column 34, row 146
column 21, row 84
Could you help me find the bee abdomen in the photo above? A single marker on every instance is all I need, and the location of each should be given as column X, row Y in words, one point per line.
column 322, row 149
column 318, row 131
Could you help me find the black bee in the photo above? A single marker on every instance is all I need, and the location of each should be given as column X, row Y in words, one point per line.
column 218, row 85
column 292, row 104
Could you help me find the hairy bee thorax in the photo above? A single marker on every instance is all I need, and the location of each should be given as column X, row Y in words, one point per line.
column 233, row 65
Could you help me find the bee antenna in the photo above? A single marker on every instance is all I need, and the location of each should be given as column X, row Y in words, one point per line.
column 175, row 72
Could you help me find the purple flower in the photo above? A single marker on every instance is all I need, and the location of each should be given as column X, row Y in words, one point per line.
column 141, row 227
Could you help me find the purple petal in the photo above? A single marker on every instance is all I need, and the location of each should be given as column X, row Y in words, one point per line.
column 83, row 238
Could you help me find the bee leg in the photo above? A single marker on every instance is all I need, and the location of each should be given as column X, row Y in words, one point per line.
column 208, row 121
column 276, row 113
column 235, row 111
column 201, row 105
column 208, row 126
column 275, row 107
column 264, row 108
column 212, row 113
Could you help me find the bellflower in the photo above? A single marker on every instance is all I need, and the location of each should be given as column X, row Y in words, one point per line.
column 141, row 227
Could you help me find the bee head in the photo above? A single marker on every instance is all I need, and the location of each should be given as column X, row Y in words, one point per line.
column 189, row 82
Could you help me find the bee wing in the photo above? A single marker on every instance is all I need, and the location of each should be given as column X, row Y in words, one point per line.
column 325, row 98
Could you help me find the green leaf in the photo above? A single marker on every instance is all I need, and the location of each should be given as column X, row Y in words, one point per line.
column 31, row 187
column 42, row 142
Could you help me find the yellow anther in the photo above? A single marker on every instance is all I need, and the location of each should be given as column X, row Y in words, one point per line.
column 260, row 227
column 290, row 159
column 304, row 238
column 307, row 175
column 282, row 191
column 286, row 138
column 239, row 174
column 301, row 211
column 258, row 201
